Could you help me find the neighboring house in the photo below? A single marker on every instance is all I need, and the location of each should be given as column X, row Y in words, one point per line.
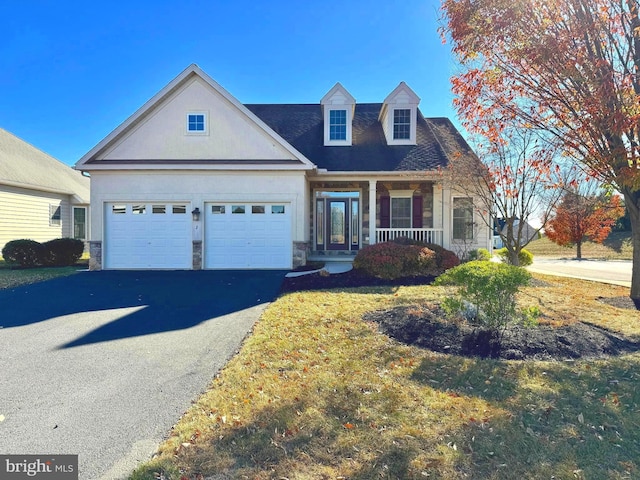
column 40, row 197
column 529, row 233
column 195, row 179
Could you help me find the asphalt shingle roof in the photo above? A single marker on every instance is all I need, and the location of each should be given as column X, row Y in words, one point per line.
column 302, row 126
column 21, row 164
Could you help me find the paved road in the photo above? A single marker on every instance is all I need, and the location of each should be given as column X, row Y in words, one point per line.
column 102, row 364
column 613, row 271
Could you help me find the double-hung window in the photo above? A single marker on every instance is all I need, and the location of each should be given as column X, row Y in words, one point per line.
column 401, row 212
column 337, row 125
column 463, row 218
column 55, row 215
column 402, row 124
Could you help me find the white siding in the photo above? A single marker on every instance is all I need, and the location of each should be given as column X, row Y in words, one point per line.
column 25, row 214
column 231, row 135
column 197, row 188
column 483, row 236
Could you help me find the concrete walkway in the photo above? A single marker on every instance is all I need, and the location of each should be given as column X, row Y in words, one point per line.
column 616, row 272
column 331, row 267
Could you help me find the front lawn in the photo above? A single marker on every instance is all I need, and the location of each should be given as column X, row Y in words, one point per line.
column 14, row 277
column 617, row 246
column 316, row 392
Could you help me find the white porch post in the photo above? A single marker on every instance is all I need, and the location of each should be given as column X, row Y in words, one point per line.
column 447, row 224
column 372, row 211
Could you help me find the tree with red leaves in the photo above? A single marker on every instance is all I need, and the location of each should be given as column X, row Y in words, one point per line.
column 578, row 218
column 569, row 68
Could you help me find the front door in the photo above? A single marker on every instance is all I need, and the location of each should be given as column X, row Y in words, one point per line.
column 338, row 221
column 337, row 227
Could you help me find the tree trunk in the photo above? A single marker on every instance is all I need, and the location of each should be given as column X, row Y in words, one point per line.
column 579, row 250
column 510, row 243
column 632, row 202
column 514, row 258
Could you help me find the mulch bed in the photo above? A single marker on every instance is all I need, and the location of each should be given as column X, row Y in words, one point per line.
column 426, row 326
column 350, row 279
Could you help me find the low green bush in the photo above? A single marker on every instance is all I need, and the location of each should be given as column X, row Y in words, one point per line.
column 480, row 254
column 525, row 256
column 392, row 260
column 62, row 252
column 24, row 252
column 487, row 293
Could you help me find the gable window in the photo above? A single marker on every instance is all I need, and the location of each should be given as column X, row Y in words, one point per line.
column 55, row 217
column 197, row 123
column 402, row 124
column 463, row 218
column 337, row 125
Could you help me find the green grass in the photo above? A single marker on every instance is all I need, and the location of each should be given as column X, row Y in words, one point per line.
column 317, row 393
column 616, row 247
column 14, row 277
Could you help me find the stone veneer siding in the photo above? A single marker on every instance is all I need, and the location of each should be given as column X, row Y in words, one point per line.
column 95, row 255
column 197, row 255
column 300, row 253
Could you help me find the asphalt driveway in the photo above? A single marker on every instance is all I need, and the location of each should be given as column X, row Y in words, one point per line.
column 102, row 364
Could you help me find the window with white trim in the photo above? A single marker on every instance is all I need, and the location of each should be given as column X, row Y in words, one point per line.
column 401, row 206
column 197, row 123
column 55, row 215
column 401, row 212
column 337, row 124
column 80, row 223
column 463, row 225
column 401, row 124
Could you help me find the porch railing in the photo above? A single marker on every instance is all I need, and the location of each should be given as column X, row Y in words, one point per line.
column 426, row 235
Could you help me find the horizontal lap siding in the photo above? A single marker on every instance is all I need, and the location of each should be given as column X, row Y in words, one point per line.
column 25, row 214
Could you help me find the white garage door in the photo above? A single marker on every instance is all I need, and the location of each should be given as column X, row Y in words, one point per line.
column 147, row 235
column 248, row 235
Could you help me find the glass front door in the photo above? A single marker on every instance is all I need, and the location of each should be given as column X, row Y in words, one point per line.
column 337, row 224
column 337, row 221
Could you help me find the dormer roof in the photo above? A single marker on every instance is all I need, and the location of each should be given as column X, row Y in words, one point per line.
column 398, row 116
column 338, row 95
column 402, row 95
column 338, row 107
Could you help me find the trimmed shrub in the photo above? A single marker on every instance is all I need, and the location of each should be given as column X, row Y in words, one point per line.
column 487, row 292
column 445, row 259
column 525, row 256
column 62, row 252
column 392, row 260
column 26, row 253
column 481, row 254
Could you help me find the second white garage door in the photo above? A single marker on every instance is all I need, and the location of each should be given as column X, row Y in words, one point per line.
column 248, row 235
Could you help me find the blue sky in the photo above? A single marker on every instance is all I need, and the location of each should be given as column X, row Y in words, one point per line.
column 72, row 71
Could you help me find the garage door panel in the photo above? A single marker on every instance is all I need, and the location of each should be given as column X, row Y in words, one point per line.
column 136, row 237
column 253, row 239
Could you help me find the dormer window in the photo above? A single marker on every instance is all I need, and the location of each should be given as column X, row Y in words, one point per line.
column 401, row 124
column 399, row 116
column 197, row 123
column 337, row 125
column 338, row 107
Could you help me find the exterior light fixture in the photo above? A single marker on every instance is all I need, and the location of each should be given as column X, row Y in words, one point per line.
column 196, row 214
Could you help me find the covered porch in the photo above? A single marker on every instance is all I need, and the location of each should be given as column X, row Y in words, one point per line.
column 347, row 215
